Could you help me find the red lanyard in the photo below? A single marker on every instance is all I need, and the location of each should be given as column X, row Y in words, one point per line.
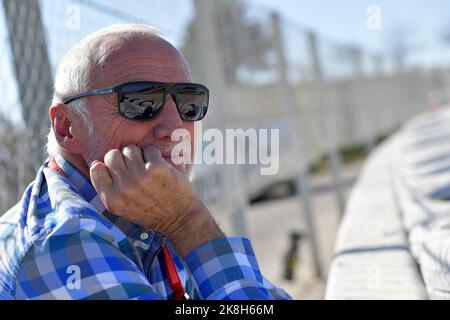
column 172, row 274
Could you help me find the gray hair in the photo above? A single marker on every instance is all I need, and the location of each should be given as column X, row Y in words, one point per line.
column 76, row 69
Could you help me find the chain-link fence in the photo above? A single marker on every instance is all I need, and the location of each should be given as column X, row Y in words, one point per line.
column 339, row 94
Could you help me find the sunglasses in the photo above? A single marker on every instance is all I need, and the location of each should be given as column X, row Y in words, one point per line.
column 143, row 100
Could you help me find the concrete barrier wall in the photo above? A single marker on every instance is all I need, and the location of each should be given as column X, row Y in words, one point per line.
column 372, row 259
column 422, row 182
column 394, row 241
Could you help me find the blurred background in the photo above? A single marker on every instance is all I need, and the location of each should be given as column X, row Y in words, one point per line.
column 335, row 77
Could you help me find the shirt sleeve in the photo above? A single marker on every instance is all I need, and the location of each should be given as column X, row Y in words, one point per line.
column 227, row 269
column 81, row 260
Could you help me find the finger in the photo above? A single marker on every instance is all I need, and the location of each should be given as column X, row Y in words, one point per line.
column 133, row 157
column 115, row 163
column 153, row 155
column 100, row 177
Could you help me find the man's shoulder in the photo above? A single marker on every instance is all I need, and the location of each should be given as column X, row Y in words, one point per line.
column 66, row 249
column 38, row 217
column 8, row 218
column 38, row 214
column 23, row 244
column 40, row 222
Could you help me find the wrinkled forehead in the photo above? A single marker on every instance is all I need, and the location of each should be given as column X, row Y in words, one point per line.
column 140, row 59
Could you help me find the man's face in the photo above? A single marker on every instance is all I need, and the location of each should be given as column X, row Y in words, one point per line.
column 139, row 60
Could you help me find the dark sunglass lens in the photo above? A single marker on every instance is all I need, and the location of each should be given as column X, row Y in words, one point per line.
column 141, row 106
column 192, row 106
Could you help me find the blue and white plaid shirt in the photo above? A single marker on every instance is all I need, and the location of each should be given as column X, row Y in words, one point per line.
column 59, row 242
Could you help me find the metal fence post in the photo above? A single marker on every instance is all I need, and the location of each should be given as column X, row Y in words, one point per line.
column 214, row 76
column 332, row 151
column 292, row 112
column 368, row 117
column 29, row 48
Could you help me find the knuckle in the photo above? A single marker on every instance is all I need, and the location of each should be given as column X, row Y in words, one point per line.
column 115, row 153
column 131, row 149
column 157, row 169
column 112, row 155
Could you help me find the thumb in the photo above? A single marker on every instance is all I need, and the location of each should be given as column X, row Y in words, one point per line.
column 100, row 177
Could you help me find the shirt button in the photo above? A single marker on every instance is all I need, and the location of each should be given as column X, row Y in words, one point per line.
column 144, row 236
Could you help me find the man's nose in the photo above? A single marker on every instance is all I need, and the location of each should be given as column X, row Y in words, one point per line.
column 168, row 119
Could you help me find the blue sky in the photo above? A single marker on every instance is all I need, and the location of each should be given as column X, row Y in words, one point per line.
column 337, row 21
column 423, row 22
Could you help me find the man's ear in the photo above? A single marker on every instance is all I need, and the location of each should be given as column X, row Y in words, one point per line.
column 63, row 127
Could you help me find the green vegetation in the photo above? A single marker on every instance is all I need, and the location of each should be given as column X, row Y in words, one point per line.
column 348, row 154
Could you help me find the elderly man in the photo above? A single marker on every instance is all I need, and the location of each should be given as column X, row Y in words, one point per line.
column 112, row 214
